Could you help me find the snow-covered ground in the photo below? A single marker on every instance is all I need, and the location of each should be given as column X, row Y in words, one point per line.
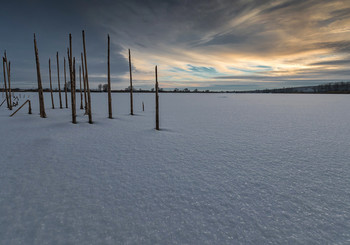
column 224, row 169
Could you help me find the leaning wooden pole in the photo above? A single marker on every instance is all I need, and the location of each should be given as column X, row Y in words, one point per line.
column 87, row 80
column 5, row 83
column 52, row 102
column 84, row 81
column 40, row 88
column 157, row 101
column 109, row 82
column 65, row 81
column 131, row 99
column 58, row 80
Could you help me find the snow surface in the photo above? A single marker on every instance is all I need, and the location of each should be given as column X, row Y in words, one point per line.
column 224, row 169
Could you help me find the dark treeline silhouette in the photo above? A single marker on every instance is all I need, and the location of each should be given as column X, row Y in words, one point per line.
column 331, row 88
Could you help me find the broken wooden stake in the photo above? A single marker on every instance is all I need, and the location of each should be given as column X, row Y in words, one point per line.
column 29, row 109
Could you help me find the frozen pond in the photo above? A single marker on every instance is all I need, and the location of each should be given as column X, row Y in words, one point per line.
column 224, row 169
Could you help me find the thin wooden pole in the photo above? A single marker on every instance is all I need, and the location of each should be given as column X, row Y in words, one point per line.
column 87, row 80
column 8, row 66
column 84, row 81
column 157, row 101
column 5, row 83
column 52, row 102
column 81, row 92
column 131, row 99
column 72, row 79
column 65, row 81
column 40, row 88
column 109, row 83
column 143, row 106
column 58, row 80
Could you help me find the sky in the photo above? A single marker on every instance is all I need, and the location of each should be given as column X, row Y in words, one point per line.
column 197, row 44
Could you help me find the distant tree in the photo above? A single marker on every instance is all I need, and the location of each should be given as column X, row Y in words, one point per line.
column 99, row 87
column 105, row 87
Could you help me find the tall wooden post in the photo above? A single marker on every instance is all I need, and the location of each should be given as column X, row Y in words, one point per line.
column 84, row 81
column 65, row 81
column 40, row 88
column 5, row 83
column 131, row 99
column 8, row 67
column 143, row 106
column 87, row 80
column 109, row 83
column 81, row 92
column 157, row 101
column 53, row 105
column 58, row 80
column 71, row 62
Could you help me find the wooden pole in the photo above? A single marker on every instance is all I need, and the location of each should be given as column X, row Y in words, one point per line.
column 81, row 92
column 40, row 88
column 84, row 81
column 29, row 109
column 109, row 83
column 58, row 80
column 157, row 101
column 5, row 83
column 52, row 102
column 65, row 81
column 87, row 80
column 131, row 99
column 8, row 66
column 143, row 106
column 72, row 79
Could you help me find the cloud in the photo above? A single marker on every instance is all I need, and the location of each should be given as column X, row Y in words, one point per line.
column 195, row 41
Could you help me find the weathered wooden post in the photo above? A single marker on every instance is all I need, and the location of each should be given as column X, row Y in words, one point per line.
column 72, row 78
column 157, row 101
column 65, row 81
column 5, row 83
column 87, row 80
column 58, row 80
column 81, row 92
column 131, row 99
column 143, row 106
column 53, row 105
column 84, row 81
column 30, row 107
column 40, row 88
column 109, row 83
column 8, row 67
